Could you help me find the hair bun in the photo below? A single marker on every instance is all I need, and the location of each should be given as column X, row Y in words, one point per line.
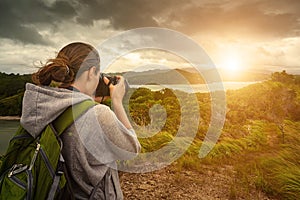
column 55, row 70
column 70, row 62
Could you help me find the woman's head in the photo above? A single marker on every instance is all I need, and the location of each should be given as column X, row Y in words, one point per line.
column 70, row 63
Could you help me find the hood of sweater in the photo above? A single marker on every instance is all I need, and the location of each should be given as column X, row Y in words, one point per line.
column 42, row 105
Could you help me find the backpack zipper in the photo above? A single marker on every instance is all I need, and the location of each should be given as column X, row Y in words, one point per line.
column 38, row 145
column 47, row 162
column 30, row 184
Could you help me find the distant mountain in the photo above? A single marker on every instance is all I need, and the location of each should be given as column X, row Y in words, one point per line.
column 166, row 76
column 190, row 75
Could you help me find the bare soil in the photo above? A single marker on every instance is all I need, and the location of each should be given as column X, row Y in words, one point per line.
column 211, row 183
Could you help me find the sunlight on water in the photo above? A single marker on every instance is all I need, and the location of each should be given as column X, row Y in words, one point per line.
column 191, row 88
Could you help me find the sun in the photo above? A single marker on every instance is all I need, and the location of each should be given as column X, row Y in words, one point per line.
column 232, row 64
column 231, row 61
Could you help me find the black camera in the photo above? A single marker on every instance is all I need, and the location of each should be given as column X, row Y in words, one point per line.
column 103, row 89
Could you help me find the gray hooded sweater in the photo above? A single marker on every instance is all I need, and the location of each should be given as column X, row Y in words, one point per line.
column 91, row 145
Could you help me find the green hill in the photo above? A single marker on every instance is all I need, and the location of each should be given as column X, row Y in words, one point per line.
column 12, row 87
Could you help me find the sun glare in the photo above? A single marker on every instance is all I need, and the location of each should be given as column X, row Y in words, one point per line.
column 232, row 64
column 134, row 57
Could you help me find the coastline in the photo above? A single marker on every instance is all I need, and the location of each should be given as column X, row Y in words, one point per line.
column 10, row 118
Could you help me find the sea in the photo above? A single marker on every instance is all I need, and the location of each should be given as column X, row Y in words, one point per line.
column 7, row 130
column 203, row 88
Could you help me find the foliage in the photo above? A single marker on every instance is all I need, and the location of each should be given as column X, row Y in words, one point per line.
column 257, row 116
column 280, row 173
column 11, row 84
column 282, row 77
column 12, row 88
column 143, row 99
column 11, row 106
column 261, row 130
column 272, row 101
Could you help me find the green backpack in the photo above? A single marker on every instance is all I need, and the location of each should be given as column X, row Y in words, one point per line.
column 33, row 168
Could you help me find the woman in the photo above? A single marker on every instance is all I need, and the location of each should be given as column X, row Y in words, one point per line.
column 98, row 138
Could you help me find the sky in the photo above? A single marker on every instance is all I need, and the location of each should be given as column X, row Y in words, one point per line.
column 258, row 35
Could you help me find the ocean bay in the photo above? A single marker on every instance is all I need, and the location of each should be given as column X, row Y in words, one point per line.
column 194, row 88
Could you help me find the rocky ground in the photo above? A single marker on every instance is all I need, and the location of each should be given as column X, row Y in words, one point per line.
column 170, row 183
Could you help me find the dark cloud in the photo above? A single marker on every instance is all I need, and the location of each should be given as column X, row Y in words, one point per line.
column 248, row 19
column 122, row 14
column 19, row 20
column 264, row 18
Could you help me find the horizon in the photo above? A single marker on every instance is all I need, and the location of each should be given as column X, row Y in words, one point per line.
column 220, row 71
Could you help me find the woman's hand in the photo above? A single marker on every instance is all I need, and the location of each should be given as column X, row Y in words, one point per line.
column 117, row 91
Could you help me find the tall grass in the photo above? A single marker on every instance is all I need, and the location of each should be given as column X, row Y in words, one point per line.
column 254, row 141
column 280, row 174
column 280, row 178
column 260, row 159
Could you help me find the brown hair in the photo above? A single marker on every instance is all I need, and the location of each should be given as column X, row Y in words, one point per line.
column 70, row 62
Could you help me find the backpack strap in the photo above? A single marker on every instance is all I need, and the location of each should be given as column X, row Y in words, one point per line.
column 59, row 125
column 72, row 113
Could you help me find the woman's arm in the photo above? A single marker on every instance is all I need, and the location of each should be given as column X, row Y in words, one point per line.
column 117, row 93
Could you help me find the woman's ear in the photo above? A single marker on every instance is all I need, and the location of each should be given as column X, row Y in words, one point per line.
column 92, row 72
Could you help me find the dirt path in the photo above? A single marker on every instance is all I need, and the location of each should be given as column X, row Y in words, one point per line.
column 168, row 183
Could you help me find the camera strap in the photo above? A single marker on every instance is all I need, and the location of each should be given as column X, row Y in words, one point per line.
column 109, row 83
